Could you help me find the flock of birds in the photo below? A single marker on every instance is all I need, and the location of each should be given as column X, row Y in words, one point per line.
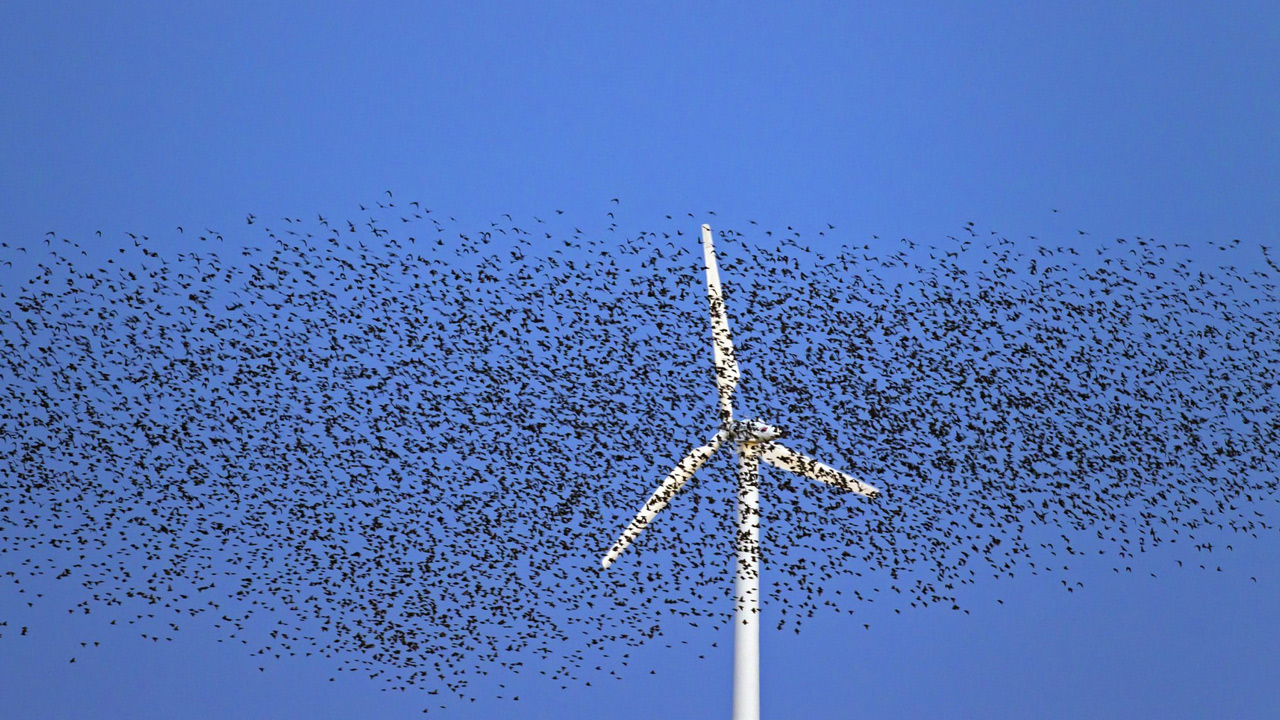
column 404, row 445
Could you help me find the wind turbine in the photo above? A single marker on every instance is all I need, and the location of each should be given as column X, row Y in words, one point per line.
column 754, row 441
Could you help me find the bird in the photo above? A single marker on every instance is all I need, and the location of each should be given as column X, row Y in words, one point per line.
column 345, row 438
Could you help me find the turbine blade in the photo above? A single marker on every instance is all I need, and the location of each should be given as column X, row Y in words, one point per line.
column 726, row 362
column 669, row 487
column 790, row 460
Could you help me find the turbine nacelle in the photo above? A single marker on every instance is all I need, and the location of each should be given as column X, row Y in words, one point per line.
column 754, row 431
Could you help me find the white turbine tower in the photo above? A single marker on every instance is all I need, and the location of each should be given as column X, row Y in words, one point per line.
column 754, row 441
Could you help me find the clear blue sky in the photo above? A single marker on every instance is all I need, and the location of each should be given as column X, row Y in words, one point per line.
column 898, row 119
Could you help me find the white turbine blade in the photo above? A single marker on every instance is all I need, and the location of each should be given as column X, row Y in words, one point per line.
column 669, row 487
column 726, row 362
column 790, row 460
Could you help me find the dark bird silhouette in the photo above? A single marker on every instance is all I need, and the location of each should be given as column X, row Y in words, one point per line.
column 398, row 445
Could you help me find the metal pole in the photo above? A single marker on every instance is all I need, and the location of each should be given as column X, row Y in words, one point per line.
column 746, row 634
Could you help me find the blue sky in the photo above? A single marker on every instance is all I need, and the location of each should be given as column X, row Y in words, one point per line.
column 898, row 119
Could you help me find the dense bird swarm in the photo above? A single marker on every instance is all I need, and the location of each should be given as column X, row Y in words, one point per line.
column 406, row 444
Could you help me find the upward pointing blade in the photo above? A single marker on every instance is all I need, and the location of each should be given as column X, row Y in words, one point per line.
column 726, row 363
column 790, row 460
column 669, row 487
